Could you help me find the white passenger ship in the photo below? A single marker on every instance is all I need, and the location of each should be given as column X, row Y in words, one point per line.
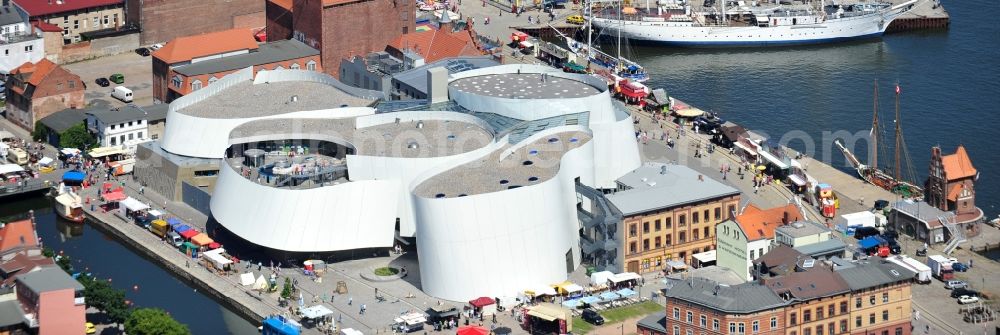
column 674, row 24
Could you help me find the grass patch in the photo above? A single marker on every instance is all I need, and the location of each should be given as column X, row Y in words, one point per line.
column 386, row 271
column 617, row 315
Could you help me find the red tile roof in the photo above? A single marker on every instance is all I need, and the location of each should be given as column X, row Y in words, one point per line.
column 760, row 223
column 286, row 4
column 46, row 7
column 958, row 165
column 38, row 70
column 17, row 234
column 437, row 44
column 183, row 49
column 46, row 27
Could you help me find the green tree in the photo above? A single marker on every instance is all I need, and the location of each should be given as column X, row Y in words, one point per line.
column 39, row 133
column 286, row 290
column 76, row 136
column 65, row 263
column 153, row 321
column 105, row 298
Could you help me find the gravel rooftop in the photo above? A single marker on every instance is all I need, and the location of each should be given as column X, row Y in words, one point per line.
column 245, row 100
column 524, row 86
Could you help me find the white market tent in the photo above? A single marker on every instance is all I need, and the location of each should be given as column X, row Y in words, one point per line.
column 246, row 279
column 216, row 257
column 598, row 278
column 260, row 284
column 133, row 205
column 543, row 290
column 625, row 276
column 351, row 331
column 70, row 151
column 156, row 213
column 10, row 168
column 45, row 161
column 572, row 288
column 316, row 312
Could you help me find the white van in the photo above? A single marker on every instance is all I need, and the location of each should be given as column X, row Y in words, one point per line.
column 122, row 93
column 17, row 156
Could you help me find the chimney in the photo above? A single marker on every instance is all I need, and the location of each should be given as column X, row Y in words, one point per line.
column 784, row 217
column 437, row 85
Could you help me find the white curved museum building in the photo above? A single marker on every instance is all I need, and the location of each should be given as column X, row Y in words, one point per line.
column 483, row 175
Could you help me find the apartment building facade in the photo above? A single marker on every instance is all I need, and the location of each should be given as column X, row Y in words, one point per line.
column 75, row 16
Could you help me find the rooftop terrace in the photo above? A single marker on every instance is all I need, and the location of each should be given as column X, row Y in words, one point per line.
column 533, row 163
column 524, row 86
column 245, row 100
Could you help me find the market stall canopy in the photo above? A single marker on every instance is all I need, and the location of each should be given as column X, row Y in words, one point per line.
column 705, row 257
column 547, row 312
column 70, row 151
column 158, row 223
column 869, row 242
column 260, row 284
column 174, row 221
column 180, row 228
column 132, row 204
column 202, row 240
column 246, row 279
column 316, row 312
column 214, row 245
column 625, row 292
column 677, row 265
column 45, row 161
column 351, row 331
column 540, row 291
column 526, row 45
column 572, row 303
column 689, row 112
column 609, row 296
column 6, row 134
column 590, row 300
column 625, row 276
column 629, row 11
column 472, row 330
column 570, row 287
column 115, row 196
column 602, row 277
column 797, row 180
column 216, row 256
column 443, row 311
column 188, row 234
column 482, row 301
column 660, row 96
column 155, row 212
column 74, row 176
column 733, row 131
column 10, row 168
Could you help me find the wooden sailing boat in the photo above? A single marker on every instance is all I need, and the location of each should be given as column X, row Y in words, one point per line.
column 894, row 182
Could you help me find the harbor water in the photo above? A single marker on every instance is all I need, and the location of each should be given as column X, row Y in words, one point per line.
column 948, row 78
column 145, row 283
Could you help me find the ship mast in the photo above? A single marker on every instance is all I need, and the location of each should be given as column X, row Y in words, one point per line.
column 590, row 25
column 899, row 138
column 875, row 130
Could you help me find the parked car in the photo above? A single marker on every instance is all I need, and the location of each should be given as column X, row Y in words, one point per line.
column 593, row 317
column 959, row 267
column 881, row 204
column 102, row 82
column 967, row 300
column 921, row 252
column 117, row 78
column 574, row 19
column 90, row 328
column 953, row 284
column 891, row 235
column 964, row 291
column 155, row 47
column 894, row 248
column 144, row 52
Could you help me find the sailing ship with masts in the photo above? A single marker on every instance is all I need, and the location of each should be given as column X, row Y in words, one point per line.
column 893, row 180
column 616, row 65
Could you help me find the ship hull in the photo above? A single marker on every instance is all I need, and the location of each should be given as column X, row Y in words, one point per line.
column 686, row 34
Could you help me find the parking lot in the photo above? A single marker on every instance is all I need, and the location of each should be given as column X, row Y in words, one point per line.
column 138, row 77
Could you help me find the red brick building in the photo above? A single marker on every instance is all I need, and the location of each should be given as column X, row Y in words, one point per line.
column 951, row 186
column 434, row 45
column 286, row 54
column 165, row 20
column 193, row 49
column 37, row 90
column 340, row 29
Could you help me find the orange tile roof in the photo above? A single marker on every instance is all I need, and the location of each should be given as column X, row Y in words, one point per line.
column 434, row 45
column 185, row 48
column 38, row 70
column 17, row 234
column 955, row 190
column 760, row 223
column 286, row 4
column 958, row 165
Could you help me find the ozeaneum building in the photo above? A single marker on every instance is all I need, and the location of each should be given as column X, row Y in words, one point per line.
column 482, row 174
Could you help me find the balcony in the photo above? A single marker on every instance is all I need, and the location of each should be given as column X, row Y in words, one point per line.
column 12, row 38
column 79, row 301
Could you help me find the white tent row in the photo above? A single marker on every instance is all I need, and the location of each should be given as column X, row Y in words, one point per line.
column 602, row 277
column 246, row 279
column 45, row 161
column 10, row 168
